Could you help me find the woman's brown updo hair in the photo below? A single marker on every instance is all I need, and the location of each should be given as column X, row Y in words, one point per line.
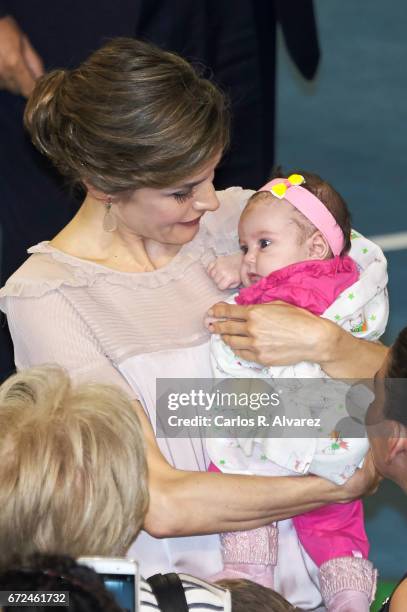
column 130, row 116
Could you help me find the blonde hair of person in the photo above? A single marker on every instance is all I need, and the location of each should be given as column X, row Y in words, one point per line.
column 73, row 474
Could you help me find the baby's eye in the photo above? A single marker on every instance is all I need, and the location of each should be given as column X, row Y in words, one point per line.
column 264, row 243
column 182, row 196
column 244, row 249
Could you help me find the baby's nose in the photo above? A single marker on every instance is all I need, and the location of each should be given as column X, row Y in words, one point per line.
column 250, row 257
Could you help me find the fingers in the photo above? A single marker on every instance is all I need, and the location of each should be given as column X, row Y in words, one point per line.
column 32, row 59
column 224, row 279
column 234, row 285
column 210, row 267
column 229, row 327
column 222, row 282
column 238, row 343
column 222, row 310
column 208, row 323
column 247, row 355
column 15, row 74
column 22, row 79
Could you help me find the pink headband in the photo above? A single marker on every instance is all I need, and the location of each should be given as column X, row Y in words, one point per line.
column 310, row 206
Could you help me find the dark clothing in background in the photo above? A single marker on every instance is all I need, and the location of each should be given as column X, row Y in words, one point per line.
column 234, row 40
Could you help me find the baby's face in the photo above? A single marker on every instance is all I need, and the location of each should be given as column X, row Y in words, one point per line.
column 269, row 238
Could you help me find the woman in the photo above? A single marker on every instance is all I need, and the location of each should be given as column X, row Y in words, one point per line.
column 120, row 293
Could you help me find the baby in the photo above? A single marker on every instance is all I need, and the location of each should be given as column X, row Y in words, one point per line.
column 295, row 235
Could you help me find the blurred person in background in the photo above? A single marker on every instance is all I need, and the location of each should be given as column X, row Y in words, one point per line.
column 41, row 572
column 248, row 595
column 73, row 481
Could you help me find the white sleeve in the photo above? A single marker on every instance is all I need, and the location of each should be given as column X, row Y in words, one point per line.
column 47, row 329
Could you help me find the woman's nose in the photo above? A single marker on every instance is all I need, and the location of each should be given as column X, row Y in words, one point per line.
column 206, row 199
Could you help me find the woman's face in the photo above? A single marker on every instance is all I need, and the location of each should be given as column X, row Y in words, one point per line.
column 170, row 215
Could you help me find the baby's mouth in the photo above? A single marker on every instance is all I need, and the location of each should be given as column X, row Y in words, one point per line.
column 253, row 278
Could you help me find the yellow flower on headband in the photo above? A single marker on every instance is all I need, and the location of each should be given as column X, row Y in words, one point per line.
column 279, row 189
column 296, row 179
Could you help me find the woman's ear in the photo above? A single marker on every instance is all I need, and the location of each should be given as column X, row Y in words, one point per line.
column 318, row 247
column 96, row 193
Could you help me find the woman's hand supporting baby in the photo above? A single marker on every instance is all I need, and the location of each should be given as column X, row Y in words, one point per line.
column 279, row 334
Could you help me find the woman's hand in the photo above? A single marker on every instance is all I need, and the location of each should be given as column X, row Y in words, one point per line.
column 365, row 481
column 279, row 334
column 186, row 503
column 272, row 334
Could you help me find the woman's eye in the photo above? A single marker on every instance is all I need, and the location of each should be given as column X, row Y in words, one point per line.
column 182, row 196
column 264, row 243
column 243, row 248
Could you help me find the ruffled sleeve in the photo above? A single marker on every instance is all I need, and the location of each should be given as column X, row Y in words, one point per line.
column 45, row 327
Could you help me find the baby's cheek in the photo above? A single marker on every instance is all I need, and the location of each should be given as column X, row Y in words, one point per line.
column 267, row 265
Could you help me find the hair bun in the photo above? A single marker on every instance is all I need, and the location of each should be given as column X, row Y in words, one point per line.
column 41, row 117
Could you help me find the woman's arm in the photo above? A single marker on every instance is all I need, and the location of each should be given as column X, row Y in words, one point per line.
column 190, row 503
column 281, row 334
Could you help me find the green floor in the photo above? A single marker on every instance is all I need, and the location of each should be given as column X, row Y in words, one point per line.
column 384, row 589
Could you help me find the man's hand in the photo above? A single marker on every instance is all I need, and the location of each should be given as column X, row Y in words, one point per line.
column 20, row 64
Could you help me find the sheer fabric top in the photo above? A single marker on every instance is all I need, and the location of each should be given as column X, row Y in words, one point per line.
column 89, row 318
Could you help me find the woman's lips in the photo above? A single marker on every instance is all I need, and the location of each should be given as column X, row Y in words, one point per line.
column 190, row 223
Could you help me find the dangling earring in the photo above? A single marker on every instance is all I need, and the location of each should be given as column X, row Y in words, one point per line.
column 109, row 220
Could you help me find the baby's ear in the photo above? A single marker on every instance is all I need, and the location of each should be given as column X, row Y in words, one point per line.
column 318, row 247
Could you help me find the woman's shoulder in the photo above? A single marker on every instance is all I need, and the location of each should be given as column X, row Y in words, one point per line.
column 232, row 201
column 221, row 225
column 234, row 194
column 42, row 272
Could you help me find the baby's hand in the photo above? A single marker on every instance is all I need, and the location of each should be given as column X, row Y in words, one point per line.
column 225, row 271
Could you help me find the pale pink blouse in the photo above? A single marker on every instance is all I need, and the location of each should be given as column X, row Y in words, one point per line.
column 128, row 329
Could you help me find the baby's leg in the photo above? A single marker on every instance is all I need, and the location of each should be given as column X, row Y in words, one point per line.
column 250, row 554
column 335, row 538
column 348, row 584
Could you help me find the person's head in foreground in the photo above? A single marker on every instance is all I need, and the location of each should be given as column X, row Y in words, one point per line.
column 73, row 475
column 292, row 219
column 38, row 572
column 248, row 596
column 141, row 131
column 387, row 415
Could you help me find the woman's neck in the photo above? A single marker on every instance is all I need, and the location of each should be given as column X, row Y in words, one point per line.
column 122, row 250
